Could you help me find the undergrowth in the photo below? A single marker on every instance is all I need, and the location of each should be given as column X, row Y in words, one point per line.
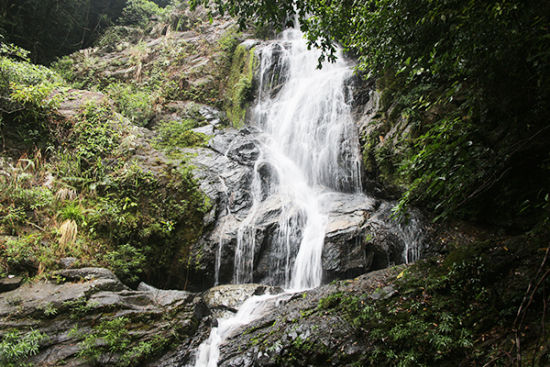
column 481, row 305
column 77, row 190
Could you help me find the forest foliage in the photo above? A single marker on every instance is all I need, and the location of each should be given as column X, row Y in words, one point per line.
column 472, row 77
column 52, row 28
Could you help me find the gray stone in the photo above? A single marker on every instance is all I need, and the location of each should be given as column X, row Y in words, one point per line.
column 68, row 262
column 85, row 274
column 383, row 293
column 232, row 296
column 86, row 298
column 142, row 286
column 10, row 283
column 206, row 130
column 271, row 338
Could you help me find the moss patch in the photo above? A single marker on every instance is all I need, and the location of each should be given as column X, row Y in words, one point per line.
column 240, row 85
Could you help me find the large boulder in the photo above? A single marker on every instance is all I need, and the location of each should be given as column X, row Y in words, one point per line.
column 75, row 304
column 294, row 320
column 360, row 235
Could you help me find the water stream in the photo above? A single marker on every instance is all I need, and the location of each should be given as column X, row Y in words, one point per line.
column 309, row 147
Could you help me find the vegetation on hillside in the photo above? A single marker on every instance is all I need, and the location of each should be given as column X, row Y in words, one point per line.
column 470, row 81
column 479, row 306
column 94, row 186
column 52, row 28
column 73, row 188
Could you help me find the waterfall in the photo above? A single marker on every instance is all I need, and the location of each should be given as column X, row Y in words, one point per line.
column 304, row 116
column 309, row 147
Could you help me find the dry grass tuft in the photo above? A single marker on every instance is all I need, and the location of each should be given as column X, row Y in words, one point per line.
column 65, row 194
column 68, row 231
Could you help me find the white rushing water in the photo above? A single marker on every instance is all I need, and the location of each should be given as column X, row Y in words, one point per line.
column 209, row 351
column 308, row 147
column 307, row 130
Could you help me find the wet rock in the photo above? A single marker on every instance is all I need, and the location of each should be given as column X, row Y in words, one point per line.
column 224, row 173
column 206, row 130
column 211, row 115
column 228, row 298
column 344, row 254
column 10, row 283
column 361, row 235
column 87, row 297
column 329, row 340
column 395, row 241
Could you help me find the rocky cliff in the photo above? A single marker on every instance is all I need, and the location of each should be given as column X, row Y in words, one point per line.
column 139, row 171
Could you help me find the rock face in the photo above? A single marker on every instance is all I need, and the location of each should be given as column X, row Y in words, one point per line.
column 10, row 283
column 224, row 172
column 191, row 54
column 360, row 234
column 344, row 252
column 295, row 320
column 226, row 299
column 75, row 303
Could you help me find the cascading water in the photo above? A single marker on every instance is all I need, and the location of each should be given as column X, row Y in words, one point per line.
column 308, row 147
column 307, row 130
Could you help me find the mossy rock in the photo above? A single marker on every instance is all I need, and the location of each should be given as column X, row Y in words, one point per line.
column 240, row 86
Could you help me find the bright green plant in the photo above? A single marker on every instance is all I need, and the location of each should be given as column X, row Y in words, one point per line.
column 173, row 135
column 240, row 85
column 50, row 310
column 127, row 263
column 73, row 211
column 78, row 307
column 135, row 103
column 114, row 335
column 16, row 348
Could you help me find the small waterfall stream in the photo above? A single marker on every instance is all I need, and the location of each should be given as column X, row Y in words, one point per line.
column 309, row 147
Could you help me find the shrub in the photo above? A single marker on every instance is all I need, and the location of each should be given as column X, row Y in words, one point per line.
column 16, row 348
column 139, row 13
column 127, row 262
column 178, row 134
column 28, row 254
column 93, row 140
column 137, row 104
column 72, row 211
column 26, row 100
column 114, row 336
